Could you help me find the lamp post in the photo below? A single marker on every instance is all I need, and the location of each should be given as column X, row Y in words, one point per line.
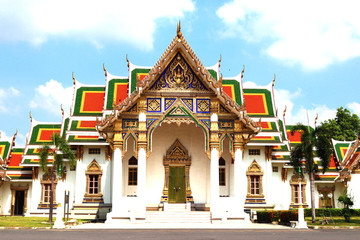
column 301, row 218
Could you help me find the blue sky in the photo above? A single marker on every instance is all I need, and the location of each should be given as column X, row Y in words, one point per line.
column 313, row 50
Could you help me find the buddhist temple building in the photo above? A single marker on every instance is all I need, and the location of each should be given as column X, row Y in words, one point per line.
column 176, row 137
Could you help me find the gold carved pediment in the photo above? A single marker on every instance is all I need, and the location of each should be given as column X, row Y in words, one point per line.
column 177, row 154
column 254, row 169
column 178, row 75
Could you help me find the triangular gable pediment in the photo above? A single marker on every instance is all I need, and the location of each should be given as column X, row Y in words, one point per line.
column 178, row 76
column 171, row 73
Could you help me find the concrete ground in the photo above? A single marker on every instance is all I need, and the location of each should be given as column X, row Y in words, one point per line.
column 128, row 225
column 179, row 234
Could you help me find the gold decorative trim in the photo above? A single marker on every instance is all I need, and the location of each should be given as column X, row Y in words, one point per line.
column 93, row 168
column 254, row 170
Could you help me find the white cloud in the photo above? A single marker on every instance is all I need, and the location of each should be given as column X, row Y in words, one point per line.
column 4, row 137
column 354, row 107
column 293, row 115
column 19, row 140
column 95, row 21
column 51, row 96
column 6, row 96
column 311, row 33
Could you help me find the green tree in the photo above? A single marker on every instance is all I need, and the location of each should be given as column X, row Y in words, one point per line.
column 344, row 127
column 310, row 140
column 59, row 150
column 347, row 202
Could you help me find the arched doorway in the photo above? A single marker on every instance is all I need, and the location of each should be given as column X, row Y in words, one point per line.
column 194, row 168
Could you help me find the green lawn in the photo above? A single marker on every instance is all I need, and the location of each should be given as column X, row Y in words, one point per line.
column 27, row 222
column 338, row 221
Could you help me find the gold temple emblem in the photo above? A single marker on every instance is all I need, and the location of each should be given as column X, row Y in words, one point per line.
column 178, row 75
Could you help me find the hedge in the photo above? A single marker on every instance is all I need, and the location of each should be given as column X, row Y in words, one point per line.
column 335, row 212
column 285, row 216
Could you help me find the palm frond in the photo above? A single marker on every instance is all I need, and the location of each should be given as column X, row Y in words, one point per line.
column 44, row 156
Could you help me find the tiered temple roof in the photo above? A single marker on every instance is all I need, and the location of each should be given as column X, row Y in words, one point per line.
column 92, row 103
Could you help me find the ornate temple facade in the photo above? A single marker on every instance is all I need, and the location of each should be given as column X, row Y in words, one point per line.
column 175, row 135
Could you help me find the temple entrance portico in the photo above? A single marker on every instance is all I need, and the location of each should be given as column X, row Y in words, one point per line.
column 179, row 120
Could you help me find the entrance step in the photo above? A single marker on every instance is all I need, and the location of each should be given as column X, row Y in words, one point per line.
column 177, row 217
column 176, row 207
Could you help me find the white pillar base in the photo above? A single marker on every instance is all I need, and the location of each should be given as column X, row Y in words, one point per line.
column 59, row 223
column 301, row 220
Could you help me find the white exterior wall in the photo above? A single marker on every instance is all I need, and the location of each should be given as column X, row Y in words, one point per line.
column 193, row 139
column 5, row 199
column 354, row 190
column 128, row 190
column 227, row 189
column 81, row 167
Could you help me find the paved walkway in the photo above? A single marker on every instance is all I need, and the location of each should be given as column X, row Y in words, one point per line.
column 129, row 225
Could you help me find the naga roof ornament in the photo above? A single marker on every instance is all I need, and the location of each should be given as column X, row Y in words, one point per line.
column 273, row 81
column 73, row 77
column 105, row 70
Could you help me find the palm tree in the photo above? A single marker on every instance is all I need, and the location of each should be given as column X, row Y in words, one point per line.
column 311, row 139
column 60, row 150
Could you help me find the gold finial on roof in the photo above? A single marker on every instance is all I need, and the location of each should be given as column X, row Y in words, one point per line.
column 284, row 111
column 178, row 31
column 128, row 62
column 221, row 79
column 30, row 116
column 73, row 78
column 273, row 81
column 220, row 60
column 16, row 133
column 105, row 70
column 317, row 115
column 242, row 72
column 62, row 110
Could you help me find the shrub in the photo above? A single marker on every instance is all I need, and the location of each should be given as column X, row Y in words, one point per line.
column 268, row 216
column 287, row 216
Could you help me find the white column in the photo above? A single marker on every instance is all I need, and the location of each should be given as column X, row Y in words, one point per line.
column 238, row 178
column 141, row 184
column 117, row 180
column 214, row 179
column 141, row 188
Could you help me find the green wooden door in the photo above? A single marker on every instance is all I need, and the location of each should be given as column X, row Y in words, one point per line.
column 177, row 185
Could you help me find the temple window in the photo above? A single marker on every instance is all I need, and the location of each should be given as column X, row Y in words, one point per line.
column 94, row 151
column 295, row 191
column 222, row 172
column 254, row 175
column 93, row 183
column 132, row 176
column 254, row 151
column 46, row 193
column 46, row 189
column 255, row 185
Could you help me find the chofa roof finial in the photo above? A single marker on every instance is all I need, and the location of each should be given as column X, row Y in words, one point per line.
column 316, row 118
column 31, row 118
column 242, row 72
column 105, row 70
column 73, row 78
column 128, row 62
column 62, row 110
column 284, row 111
column 220, row 60
column 178, row 31
column 273, row 81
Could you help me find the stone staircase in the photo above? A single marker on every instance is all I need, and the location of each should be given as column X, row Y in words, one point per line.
column 177, row 213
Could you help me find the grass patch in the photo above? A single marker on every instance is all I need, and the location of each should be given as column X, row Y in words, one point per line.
column 338, row 221
column 26, row 222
